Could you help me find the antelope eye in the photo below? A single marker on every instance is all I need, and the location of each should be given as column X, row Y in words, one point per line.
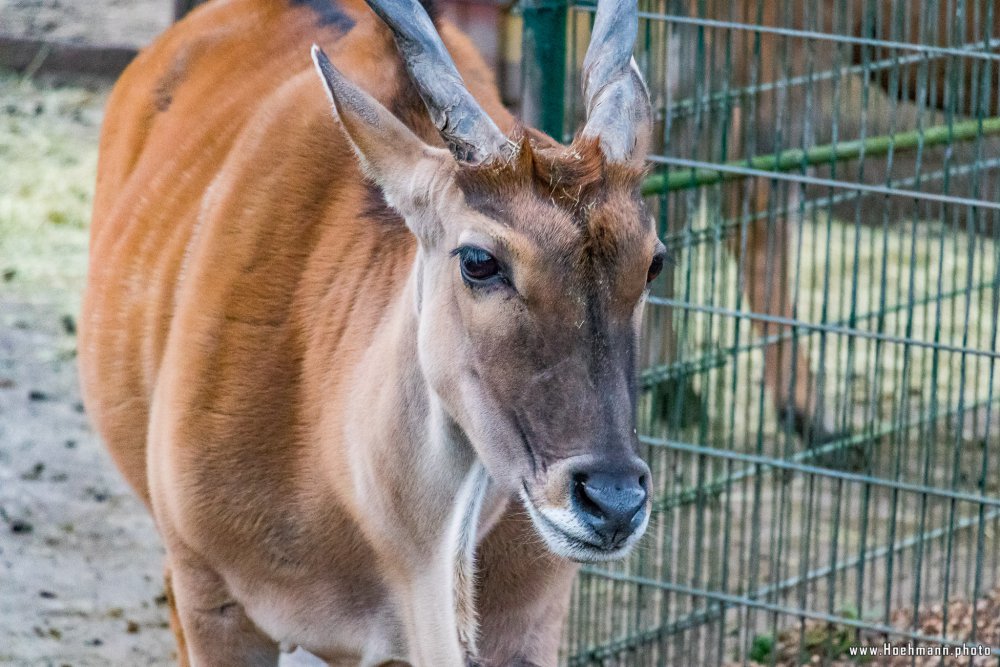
column 655, row 267
column 478, row 266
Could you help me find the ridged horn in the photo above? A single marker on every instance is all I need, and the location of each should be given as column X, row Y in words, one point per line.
column 469, row 132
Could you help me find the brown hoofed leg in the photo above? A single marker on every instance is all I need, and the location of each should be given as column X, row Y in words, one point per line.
column 175, row 621
column 522, row 594
column 763, row 249
column 214, row 628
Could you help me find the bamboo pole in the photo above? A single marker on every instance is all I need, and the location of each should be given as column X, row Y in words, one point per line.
column 797, row 158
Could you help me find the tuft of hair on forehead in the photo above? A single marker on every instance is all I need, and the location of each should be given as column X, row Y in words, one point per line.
column 574, row 177
column 601, row 217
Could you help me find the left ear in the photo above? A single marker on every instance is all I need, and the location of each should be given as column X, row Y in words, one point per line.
column 390, row 154
column 620, row 114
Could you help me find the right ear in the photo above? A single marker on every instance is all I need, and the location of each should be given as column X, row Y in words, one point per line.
column 390, row 154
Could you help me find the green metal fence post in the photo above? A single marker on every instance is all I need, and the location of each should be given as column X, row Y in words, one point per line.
column 543, row 65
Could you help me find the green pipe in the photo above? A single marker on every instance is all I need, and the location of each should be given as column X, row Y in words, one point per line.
column 543, row 64
column 796, row 158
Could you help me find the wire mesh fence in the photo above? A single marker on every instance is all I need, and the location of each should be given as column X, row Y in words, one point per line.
column 821, row 410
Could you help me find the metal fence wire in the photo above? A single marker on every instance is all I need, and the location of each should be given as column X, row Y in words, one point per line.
column 821, row 407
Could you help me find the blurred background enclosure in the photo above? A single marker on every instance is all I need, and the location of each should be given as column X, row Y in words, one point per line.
column 820, row 375
column 821, row 366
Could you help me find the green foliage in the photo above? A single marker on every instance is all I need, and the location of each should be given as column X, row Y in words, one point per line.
column 762, row 648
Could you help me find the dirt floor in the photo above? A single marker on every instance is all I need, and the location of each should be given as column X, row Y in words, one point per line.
column 830, row 643
column 79, row 573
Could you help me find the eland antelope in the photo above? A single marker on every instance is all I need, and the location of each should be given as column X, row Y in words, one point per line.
column 344, row 352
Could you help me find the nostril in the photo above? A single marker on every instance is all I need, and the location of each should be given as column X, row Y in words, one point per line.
column 583, row 499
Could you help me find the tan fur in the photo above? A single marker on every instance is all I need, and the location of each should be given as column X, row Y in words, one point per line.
column 303, row 393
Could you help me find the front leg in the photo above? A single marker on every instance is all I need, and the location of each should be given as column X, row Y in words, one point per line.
column 523, row 594
column 430, row 619
column 215, row 628
column 439, row 597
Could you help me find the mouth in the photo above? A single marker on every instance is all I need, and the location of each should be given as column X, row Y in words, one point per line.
column 567, row 538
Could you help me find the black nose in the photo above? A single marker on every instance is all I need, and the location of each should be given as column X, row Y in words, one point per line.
column 613, row 504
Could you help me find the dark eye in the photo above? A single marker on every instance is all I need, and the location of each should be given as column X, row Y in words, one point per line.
column 478, row 266
column 655, row 266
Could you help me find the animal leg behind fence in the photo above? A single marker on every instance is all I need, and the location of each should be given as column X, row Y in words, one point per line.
column 762, row 246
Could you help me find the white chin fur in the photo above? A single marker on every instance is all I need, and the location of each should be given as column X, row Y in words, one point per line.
column 567, row 537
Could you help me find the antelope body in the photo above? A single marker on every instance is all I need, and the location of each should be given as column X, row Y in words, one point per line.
column 336, row 359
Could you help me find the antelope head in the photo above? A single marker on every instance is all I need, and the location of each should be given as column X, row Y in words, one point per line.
column 532, row 267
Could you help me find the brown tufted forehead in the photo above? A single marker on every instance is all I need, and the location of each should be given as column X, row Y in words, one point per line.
column 567, row 198
column 574, row 177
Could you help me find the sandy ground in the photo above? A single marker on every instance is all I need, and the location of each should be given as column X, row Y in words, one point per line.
column 80, row 580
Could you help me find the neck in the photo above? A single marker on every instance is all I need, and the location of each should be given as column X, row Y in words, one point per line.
column 416, row 485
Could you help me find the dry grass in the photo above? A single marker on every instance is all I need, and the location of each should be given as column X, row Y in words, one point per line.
column 48, row 158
